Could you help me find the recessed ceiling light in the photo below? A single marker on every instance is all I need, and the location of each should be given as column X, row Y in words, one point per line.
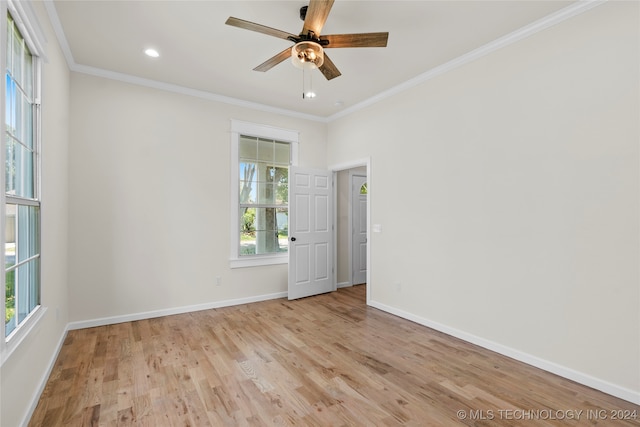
column 151, row 53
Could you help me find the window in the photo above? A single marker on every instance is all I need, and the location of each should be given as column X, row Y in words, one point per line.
column 21, row 199
column 264, row 194
column 260, row 193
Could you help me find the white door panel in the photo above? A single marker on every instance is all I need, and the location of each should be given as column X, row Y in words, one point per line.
column 310, row 233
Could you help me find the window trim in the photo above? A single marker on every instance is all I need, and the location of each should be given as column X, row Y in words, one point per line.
column 260, row 131
column 25, row 19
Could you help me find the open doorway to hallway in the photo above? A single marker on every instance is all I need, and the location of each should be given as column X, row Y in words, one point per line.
column 351, row 226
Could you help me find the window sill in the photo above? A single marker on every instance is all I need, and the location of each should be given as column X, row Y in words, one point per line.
column 12, row 342
column 255, row 261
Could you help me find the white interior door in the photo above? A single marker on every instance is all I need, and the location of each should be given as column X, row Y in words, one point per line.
column 358, row 229
column 310, row 232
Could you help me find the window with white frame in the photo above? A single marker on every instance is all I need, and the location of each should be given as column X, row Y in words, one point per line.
column 260, row 193
column 21, row 174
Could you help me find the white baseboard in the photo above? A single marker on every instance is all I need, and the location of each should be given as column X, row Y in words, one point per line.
column 171, row 311
column 43, row 381
column 343, row 285
column 579, row 377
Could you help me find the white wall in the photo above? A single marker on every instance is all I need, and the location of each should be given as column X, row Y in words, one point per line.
column 522, row 167
column 26, row 369
column 150, row 199
column 508, row 191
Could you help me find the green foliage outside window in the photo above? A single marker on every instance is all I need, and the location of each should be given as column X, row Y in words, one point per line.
column 248, row 221
column 9, row 297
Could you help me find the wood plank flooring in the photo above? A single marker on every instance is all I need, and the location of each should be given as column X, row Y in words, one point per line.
column 327, row 360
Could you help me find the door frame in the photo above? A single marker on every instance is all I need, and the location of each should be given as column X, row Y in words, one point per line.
column 366, row 162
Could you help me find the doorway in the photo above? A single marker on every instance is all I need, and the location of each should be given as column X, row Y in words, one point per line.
column 351, row 225
column 341, row 243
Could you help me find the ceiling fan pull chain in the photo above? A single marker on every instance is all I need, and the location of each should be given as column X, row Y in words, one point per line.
column 307, row 83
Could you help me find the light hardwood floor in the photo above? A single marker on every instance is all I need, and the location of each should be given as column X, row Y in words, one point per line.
column 327, row 360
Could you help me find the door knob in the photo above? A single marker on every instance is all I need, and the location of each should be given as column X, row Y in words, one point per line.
column 293, row 239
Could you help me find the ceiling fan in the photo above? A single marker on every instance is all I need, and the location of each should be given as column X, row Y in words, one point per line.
column 308, row 50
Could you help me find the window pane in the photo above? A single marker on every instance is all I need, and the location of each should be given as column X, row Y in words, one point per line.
column 265, row 151
column 247, row 220
column 16, row 71
column 247, row 231
column 281, row 185
column 18, row 115
column 19, row 170
column 10, row 233
column 282, row 217
column 248, row 185
column 9, row 43
column 27, row 286
column 282, row 153
column 248, row 148
column 27, row 132
column 24, row 119
column 27, row 235
column 247, row 192
column 265, row 193
column 10, row 118
column 10, row 168
column 28, row 73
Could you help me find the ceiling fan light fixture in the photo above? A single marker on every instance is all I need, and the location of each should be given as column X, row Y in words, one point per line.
column 307, row 82
column 307, row 54
column 151, row 52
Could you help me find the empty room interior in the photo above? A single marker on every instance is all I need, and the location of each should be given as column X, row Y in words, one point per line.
column 207, row 217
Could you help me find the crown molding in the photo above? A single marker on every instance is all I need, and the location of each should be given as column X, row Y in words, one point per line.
column 155, row 84
column 515, row 36
column 169, row 87
column 555, row 18
column 59, row 32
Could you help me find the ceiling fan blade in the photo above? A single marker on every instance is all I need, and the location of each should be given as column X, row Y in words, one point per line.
column 356, row 40
column 329, row 69
column 275, row 60
column 252, row 26
column 317, row 14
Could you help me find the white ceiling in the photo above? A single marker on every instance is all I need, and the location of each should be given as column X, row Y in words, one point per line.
column 198, row 51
